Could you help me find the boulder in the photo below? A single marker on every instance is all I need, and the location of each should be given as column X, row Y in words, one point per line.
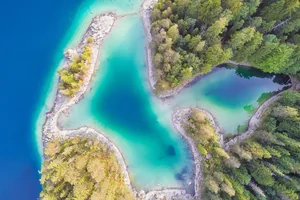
column 141, row 195
column 69, row 53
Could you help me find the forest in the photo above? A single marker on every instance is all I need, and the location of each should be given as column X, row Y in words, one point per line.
column 264, row 166
column 190, row 37
column 81, row 168
column 72, row 77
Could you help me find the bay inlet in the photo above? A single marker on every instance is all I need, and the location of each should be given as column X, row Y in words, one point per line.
column 122, row 106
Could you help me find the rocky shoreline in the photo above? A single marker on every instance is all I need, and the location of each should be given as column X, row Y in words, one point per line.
column 89, row 132
column 254, row 122
column 145, row 14
column 99, row 28
column 180, row 116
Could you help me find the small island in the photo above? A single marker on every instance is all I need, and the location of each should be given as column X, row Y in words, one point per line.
column 186, row 40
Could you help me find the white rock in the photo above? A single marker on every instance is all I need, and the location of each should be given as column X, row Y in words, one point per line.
column 69, row 53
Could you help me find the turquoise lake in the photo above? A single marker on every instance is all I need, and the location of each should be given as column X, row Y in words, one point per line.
column 121, row 104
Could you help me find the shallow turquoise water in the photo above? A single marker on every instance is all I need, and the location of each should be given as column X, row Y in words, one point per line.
column 227, row 92
column 77, row 24
column 122, row 106
column 119, row 105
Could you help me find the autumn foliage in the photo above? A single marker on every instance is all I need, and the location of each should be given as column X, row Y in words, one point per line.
column 81, row 169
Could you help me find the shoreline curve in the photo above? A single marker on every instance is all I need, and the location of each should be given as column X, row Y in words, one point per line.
column 99, row 28
column 51, row 130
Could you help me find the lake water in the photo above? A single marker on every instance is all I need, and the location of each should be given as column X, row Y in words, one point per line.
column 32, row 33
column 35, row 34
column 231, row 95
column 122, row 106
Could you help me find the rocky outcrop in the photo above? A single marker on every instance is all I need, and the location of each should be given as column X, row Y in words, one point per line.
column 98, row 29
column 70, row 53
column 104, row 24
column 180, row 117
column 146, row 13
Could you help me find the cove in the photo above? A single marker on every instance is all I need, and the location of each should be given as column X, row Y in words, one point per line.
column 121, row 104
column 231, row 94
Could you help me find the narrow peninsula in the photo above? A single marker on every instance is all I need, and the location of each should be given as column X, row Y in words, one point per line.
column 186, row 39
column 75, row 77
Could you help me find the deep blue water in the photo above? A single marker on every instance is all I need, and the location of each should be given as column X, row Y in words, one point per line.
column 31, row 32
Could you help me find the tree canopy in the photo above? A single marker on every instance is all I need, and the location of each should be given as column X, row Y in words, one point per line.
column 190, row 37
column 72, row 77
column 264, row 166
column 81, row 168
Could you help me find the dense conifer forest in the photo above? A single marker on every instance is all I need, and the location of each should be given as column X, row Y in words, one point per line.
column 81, row 168
column 190, row 37
column 264, row 166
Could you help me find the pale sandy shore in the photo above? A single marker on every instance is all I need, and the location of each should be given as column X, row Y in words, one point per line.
column 165, row 193
column 179, row 118
column 180, row 115
column 99, row 28
column 145, row 13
